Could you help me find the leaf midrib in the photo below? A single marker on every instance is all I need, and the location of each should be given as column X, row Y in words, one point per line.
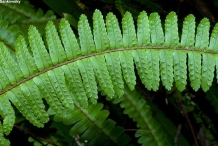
column 105, row 52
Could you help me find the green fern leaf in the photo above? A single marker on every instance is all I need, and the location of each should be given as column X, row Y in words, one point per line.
column 171, row 30
column 102, row 74
column 157, row 36
column 32, row 95
column 55, row 47
column 19, row 12
column 85, row 36
column 4, row 79
column 143, row 64
column 99, row 32
column 188, row 32
column 180, row 69
column 112, row 59
column 3, row 141
column 194, row 58
column 143, row 29
column 166, row 68
column 23, row 105
column 213, row 44
column 208, row 65
column 208, row 60
column 40, row 54
column 7, row 112
column 75, row 84
column 140, row 62
column 126, row 61
column 67, row 74
column 202, row 36
column 69, row 40
column 114, row 69
column 24, row 15
column 194, row 67
column 150, row 131
column 8, row 33
column 45, row 87
column 129, row 34
column 60, row 88
column 113, row 30
column 26, row 62
column 10, row 67
column 88, row 76
column 214, row 39
column 152, row 68
column 171, row 39
column 167, row 125
column 95, row 132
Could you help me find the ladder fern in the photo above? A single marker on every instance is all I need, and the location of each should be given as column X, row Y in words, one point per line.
column 67, row 73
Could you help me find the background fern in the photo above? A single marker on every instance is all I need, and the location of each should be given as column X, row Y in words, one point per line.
column 88, row 76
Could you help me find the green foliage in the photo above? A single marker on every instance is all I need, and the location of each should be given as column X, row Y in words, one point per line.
column 136, row 107
column 56, row 75
column 19, row 17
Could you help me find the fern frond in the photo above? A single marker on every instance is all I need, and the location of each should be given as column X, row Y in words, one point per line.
column 149, row 132
column 93, row 127
column 8, row 33
column 19, row 12
column 103, row 57
column 24, row 15
column 167, row 125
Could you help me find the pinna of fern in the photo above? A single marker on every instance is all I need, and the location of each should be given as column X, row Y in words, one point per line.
column 8, row 33
column 65, row 72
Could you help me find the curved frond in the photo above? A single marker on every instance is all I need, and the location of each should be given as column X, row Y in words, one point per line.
column 67, row 72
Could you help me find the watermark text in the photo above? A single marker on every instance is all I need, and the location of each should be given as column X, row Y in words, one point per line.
column 10, row 1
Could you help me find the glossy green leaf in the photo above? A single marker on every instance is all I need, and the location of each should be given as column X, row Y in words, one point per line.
column 99, row 32
column 129, row 34
column 85, row 36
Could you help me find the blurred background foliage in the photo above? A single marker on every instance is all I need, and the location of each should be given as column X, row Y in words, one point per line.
column 193, row 113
